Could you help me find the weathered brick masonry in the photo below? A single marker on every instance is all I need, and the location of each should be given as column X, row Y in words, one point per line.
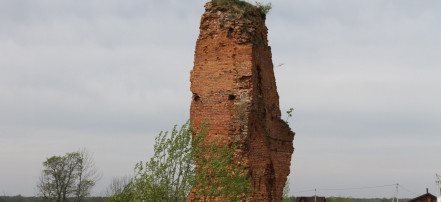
column 234, row 91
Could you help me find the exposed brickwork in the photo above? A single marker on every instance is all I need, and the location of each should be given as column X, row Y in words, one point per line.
column 234, row 91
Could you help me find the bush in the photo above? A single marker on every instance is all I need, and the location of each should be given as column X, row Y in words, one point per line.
column 245, row 6
column 171, row 174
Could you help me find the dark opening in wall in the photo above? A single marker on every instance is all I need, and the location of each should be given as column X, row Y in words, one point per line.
column 259, row 80
column 196, row 97
column 231, row 97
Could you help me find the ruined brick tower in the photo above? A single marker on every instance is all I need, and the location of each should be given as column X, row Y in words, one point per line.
column 234, row 91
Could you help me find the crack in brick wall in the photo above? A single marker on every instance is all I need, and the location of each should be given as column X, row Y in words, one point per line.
column 234, row 92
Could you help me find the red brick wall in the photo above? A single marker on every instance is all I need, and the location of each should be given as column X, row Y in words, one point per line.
column 234, row 91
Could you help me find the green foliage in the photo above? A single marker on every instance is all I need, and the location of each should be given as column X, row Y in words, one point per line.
column 71, row 175
column 168, row 175
column 286, row 192
column 117, row 185
column 217, row 177
column 127, row 194
column 264, row 8
column 244, row 6
column 171, row 173
column 240, row 3
column 58, row 177
column 289, row 114
column 86, row 175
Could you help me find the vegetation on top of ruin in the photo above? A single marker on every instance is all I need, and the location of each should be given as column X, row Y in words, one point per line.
column 244, row 6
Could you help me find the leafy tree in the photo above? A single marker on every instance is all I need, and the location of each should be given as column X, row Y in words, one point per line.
column 72, row 175
column 87, row 175
column 168, row 175
column 57, row 179
column 171, row 174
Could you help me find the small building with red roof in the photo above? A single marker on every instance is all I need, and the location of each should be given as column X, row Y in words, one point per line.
column 427, row 197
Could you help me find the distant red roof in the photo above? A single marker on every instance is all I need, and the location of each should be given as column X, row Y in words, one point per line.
column 427, row 197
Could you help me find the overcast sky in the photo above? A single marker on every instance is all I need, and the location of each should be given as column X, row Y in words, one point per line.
column 108, row 75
